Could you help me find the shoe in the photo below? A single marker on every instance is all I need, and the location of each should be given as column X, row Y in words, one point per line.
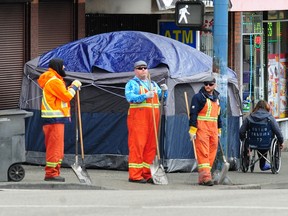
column 150, row 181
column 141, row 181
column 207, row 183
column 265, row 167
column 55, row 179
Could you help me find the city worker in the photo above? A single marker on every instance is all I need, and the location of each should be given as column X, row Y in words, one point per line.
column 143, row 96
column 205, row 128
column 55, row 112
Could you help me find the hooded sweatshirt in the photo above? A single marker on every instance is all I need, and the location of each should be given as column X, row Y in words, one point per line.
column 55, row 107
column 261, row 116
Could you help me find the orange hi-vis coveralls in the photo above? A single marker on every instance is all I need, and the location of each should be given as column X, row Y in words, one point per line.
column 141, row 134
column 206, row 114
column 55, row 112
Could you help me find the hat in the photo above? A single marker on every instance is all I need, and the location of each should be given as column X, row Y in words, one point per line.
column 210, row 80
column 140, row 63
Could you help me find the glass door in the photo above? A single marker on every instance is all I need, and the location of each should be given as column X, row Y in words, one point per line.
column 252, row 61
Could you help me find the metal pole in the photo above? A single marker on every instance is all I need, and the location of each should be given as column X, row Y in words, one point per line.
column 220, row 53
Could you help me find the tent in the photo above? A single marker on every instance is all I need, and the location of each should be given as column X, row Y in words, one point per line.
column 104, row 64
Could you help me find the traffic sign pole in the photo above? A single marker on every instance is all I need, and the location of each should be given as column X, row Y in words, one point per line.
column 220, row 50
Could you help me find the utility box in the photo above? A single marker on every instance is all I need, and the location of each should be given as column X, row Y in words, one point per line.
column 12, row 144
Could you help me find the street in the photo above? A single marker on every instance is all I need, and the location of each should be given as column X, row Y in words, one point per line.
column 110, row 194
column 131, row 203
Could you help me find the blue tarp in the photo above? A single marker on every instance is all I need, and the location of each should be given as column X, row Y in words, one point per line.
column 117, row 52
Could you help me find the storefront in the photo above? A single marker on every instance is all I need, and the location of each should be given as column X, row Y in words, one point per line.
column 265, row 59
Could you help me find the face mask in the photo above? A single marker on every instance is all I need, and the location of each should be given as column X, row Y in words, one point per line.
column 61, row 73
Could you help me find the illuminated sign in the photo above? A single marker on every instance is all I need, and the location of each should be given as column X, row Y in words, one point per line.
column 257, row 41
column 171, row 30
column 189, row 14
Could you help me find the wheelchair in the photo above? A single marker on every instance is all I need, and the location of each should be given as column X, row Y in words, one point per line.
column 260, row 139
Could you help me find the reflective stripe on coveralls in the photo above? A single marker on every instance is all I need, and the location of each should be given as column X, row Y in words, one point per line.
column 141, row 136
column 48, row 112
column 207, row 139
column 54, row 140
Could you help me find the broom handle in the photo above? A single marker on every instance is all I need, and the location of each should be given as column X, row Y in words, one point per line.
column 77, row 132
column 187, row 106
column 154, row 119
column 188, row 113
column 222, row 151
column 80, row 124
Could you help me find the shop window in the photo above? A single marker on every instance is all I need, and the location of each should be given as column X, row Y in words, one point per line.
column 277, row 64
column 206, row 37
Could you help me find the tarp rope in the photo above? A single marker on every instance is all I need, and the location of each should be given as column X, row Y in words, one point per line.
column 101, row 87
column 98, row 86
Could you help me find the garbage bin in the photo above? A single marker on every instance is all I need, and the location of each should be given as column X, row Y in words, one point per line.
column 12, row 144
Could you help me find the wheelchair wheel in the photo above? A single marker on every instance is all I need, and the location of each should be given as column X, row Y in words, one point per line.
column 275, row 157
column 244, row 158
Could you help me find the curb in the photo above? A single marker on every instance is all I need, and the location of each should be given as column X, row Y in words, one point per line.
column 243, row 187
column 73, row 186
column 53, row 186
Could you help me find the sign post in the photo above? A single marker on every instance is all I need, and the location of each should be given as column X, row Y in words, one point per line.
column 220, row 51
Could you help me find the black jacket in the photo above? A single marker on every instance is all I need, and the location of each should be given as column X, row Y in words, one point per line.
column 261, row 116
column 197, row 104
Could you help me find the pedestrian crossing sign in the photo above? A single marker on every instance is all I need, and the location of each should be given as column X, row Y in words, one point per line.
column 189, row 14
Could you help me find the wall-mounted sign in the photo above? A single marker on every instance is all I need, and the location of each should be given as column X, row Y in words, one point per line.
column 171, row 30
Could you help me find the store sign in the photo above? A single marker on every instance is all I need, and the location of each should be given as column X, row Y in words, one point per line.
column 259, row 5
column 184, row 35
column 166, row 4
column 170, row 4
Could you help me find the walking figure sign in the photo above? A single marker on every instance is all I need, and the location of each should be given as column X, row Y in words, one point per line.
column 189, row 14
column 183, row 11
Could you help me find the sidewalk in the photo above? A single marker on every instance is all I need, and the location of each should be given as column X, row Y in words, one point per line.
column 118, row 180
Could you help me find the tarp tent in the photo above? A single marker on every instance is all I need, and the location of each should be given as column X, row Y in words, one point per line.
column 104, row 64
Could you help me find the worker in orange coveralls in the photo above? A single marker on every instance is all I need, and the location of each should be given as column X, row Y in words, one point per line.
column 55, row 112
column 141, row 134
column 205, row 127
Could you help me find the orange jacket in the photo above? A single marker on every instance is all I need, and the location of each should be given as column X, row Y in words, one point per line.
column 56, row 98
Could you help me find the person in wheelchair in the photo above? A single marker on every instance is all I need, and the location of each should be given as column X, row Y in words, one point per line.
column 261, row 115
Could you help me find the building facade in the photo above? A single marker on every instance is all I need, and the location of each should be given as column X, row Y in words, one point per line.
column 29, row 28
column 261, row 47
column 257, row 45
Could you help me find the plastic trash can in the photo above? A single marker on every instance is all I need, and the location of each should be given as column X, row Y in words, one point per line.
column 12, row 144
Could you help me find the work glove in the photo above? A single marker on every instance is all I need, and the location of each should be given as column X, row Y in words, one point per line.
column 219, row 132
column 192, row 132
column 77, row 84
column 164, row 87
column 149, row 94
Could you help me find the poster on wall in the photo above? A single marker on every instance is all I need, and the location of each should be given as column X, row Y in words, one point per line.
column 277, row 85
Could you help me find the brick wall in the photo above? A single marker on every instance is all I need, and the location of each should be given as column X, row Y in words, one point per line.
column 235, row 33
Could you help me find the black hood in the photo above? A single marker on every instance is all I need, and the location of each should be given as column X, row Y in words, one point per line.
column 57, row 65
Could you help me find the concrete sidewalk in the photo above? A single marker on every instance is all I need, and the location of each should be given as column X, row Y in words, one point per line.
column 118, row 180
